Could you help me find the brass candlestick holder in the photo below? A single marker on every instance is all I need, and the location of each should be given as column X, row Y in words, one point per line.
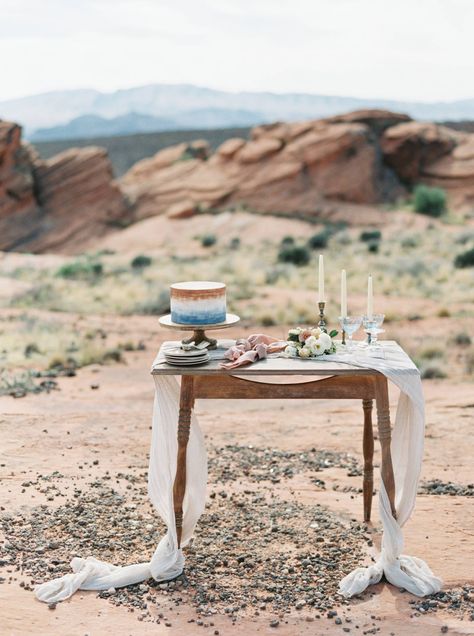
column 322, row 319
column 343, row 341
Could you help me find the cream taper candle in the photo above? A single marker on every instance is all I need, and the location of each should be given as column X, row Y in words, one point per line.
column 343, row 294
column 370, row 298
column 321, row 298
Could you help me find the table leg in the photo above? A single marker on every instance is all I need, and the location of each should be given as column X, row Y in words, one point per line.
column 368, row 448
column 186, row 401
column 385, row 436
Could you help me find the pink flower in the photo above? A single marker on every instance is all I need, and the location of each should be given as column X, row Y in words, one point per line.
column 304, row 335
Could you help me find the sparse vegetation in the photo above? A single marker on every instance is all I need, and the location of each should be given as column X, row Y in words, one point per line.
column 369, row 236
column 296, row 254
column 81, row 269
column 430, row 201
column 432, row 372
column 319, row 240
column 208, row 240
column 462, row 339
column 465, row 259
column 141, row 261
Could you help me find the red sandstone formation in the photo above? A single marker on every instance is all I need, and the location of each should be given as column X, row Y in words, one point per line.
column 364, row 157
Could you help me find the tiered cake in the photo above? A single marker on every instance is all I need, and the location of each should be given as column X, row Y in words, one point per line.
column 198, row 303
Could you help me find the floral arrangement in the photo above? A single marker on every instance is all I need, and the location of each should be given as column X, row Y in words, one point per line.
column 309, row 343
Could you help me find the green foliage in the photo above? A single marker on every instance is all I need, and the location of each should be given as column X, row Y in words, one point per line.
column 373, row 247
column 462, row 339
column 297, row 254
column 465, row 259
column 234, row 243
column 287, row 240
column 81, row 269
column 208, row 240
column 432, row 372
column 370, row 235
column 430, row 201
column 141, row 261
column 319, row 240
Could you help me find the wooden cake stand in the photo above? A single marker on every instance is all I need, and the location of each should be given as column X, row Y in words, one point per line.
column 199, row 334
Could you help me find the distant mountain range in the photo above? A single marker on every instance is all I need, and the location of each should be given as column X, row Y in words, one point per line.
column 89, row 113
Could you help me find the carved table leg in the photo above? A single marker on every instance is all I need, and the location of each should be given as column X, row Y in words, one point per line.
column 368, row 447
column 184, row 423
column 385, row 436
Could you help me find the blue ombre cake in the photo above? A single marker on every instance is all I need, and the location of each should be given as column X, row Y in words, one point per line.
column 198, row 303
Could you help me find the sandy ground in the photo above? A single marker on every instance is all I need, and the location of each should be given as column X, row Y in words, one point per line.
column 76, row 425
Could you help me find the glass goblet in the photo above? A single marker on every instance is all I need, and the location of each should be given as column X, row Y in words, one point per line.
column 372, row 326
column 350, row 324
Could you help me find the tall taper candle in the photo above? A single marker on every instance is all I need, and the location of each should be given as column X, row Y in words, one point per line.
column 343, row 294
column 370, row 298
column 321, row 298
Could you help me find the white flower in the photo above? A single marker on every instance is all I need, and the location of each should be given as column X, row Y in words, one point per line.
column 316, row 332
column 291, row 351
column 295, row 332
column 305, row 352
column 325, row 341
column 318, row 347
column 310, row 342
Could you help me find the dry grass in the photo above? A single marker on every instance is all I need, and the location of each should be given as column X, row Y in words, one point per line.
column 415, row 284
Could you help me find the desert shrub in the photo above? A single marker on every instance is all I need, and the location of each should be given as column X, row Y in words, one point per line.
column 267, row 320
column 409, row 242
column 30, row 349
column 431, row 353
column 373, row 247
column 462, row 339
column 319, row 240
column 430, row 201
column 80, row 269
column 287, row 240
column 141, row 261
column 234, row 243
column 297, row 254
column 444, row 313
column 465, row 259
column 343, row 238
column 368, row 236
column 208, row 240
column 432, row 372
column 464, row 237
column 470, row 363
column 112, row 355
column 155, row 306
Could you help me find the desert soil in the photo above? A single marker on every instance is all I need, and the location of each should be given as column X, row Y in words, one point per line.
column 98, row 438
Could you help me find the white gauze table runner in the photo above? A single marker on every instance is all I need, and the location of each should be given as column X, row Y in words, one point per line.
column 167, row 562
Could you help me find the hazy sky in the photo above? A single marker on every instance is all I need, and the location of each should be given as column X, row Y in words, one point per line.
column 403, row 49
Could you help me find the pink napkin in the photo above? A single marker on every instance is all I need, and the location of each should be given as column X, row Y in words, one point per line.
column 248, row 350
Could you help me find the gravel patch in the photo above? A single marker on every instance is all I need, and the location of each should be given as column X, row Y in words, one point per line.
column 255, row 553
column 438, row 487
column 231, row 462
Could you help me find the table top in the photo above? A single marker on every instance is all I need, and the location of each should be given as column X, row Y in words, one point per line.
column 276, row 366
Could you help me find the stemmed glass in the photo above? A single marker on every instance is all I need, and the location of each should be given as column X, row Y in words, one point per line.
column 350, row 324
column 372, row 328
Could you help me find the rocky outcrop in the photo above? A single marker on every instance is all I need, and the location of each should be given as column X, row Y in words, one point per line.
column 309, row 168
column 283, row 168
column 78, row 196
column 59, row 204
column 432, row 154
column 18, row 206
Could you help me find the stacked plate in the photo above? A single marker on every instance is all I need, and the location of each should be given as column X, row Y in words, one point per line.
column 180, row 358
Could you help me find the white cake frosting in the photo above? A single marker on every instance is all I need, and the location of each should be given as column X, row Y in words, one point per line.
column 198, row 303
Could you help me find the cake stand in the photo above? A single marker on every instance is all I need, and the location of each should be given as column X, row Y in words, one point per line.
column 199, row 334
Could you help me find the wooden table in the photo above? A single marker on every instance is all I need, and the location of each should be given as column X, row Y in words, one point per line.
column 336, row 381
